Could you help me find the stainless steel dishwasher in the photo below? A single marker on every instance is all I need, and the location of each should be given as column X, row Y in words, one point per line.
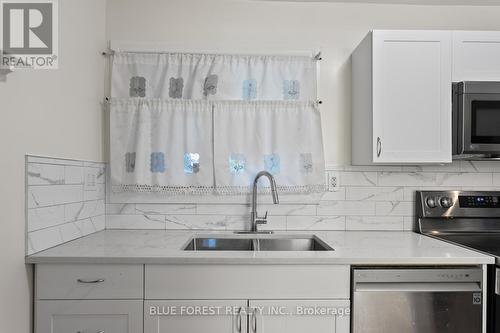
column 417, row 300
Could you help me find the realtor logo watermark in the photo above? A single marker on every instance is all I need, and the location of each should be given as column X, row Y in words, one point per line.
column 29, row 36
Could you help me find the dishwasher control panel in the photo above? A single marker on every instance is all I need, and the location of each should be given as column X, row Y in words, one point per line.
column 419, row 275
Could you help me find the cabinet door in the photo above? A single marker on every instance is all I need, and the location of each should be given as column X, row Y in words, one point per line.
column 476, row 56
column 79, row 316
column 205, row 316
column 299, row 316
column 411, row 97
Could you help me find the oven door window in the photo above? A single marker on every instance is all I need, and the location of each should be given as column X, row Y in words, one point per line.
column 485, row 126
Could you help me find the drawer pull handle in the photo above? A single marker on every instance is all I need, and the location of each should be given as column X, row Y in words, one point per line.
column 91, row 281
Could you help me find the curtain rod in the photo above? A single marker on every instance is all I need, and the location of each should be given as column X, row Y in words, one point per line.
column 317, row 56
column 318, row 101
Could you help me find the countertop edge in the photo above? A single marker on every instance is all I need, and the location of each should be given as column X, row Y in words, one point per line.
column 261, row 261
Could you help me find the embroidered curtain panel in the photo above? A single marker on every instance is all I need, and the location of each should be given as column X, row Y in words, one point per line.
column 213, row 77
column 283, row 138
column 161, row 146
column 200, row 124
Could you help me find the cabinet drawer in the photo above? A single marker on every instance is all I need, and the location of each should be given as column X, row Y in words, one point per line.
column 246, row 281
column 72, row 316
column 89, row 281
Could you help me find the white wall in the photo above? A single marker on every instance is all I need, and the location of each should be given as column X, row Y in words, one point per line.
column 54, row 113
column 239, row 25
column 58, row 113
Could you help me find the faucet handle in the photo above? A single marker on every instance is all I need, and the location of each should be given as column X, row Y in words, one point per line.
column 262, row 220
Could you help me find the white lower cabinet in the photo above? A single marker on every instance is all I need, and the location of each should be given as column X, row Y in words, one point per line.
column 299, row 316
column 246, row 299
column 242, row 316
column 195, row 316
column 192, row 298
column 86, row 316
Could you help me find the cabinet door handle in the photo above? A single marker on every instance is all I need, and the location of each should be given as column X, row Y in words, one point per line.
column 90, row 281
column 254, row 320
column 239, row 320
column 379, row 146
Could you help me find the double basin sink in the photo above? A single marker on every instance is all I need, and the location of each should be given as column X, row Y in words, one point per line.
column 253, row 243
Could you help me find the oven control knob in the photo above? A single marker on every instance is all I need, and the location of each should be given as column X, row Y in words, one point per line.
column 431, row 202
column 446, row 202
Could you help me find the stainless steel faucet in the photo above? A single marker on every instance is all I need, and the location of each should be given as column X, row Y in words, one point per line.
column 255, row 219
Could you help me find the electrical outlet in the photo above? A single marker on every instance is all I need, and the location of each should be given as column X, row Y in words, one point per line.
column 333, row 181
column 90, row 181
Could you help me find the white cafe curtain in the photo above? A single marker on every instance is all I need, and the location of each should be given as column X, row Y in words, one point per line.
column 200, row 123
column 161, row 146
column 283, row 138
column 213, row 77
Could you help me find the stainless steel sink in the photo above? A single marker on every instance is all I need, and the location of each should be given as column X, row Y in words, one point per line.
column 311, row 243
column 220, row 244
column 292, row 244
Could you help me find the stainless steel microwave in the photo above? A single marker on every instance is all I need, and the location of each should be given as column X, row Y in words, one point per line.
column 476, row 119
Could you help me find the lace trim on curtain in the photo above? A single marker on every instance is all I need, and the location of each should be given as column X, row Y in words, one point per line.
column 241, row 190
column 173, row 190
column 224, row 190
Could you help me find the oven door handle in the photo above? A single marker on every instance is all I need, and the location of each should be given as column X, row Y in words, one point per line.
column 497, row 282
column 418, row 286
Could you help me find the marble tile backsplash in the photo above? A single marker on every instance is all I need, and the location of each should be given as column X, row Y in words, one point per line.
column 368, row 198
column 65, row 200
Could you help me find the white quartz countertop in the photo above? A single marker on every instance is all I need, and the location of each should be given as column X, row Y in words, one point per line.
column 350, row 247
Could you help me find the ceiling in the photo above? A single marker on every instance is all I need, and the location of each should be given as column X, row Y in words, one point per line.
column 413, row 2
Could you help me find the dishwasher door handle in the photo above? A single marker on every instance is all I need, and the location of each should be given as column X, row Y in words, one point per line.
column 418, row 286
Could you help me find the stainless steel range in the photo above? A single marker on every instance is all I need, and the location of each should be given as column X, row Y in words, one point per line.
column 469, row 219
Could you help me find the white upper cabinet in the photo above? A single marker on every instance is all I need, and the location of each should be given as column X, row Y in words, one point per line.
column 476, row 56
column 401, row 98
